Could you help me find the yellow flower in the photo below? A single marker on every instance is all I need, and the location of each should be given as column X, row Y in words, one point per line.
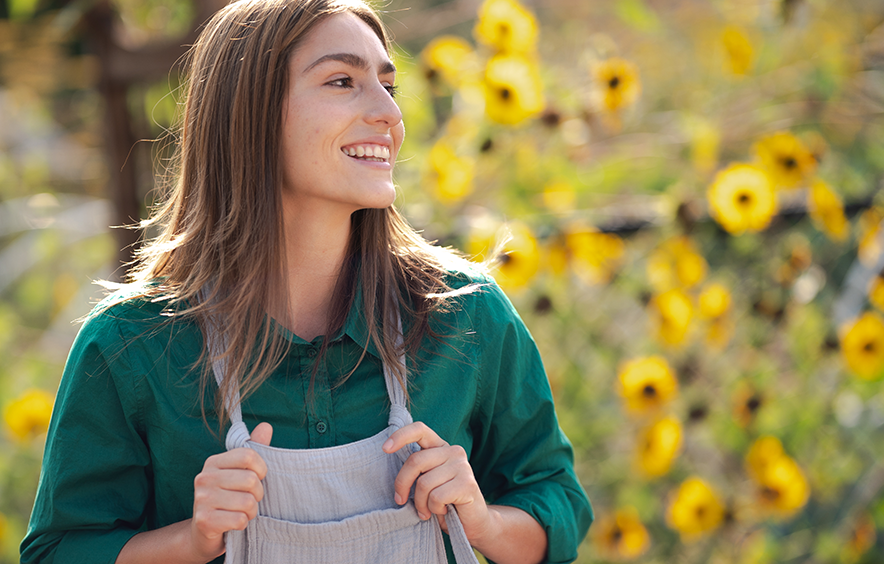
column 739, row 50
column 513, row 90
column 786, row 158
column 694, row 510
column 876, row 292
column 672, row 312
column 658, row 445
column 827, row 211
column 862, row 345
column 616, row 84
column 715, row 301
column 747, row 401
column 506, row 26
column 595, row 256
column 676, row 264
column 741, row 198
column 453, row 174
column 705, row 141
column 28, row 416
column 4, row 529
column 450, row 57
column 518, row 261
column 870, row 235
column 762, row 455
column 783, row 489
column 647, row 383
column 621, row 536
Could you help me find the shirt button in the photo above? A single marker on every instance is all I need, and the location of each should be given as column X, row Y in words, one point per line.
column 321, row 427
column 311, row 352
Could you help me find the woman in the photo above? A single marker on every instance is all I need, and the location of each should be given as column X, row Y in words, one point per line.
column 283, row 273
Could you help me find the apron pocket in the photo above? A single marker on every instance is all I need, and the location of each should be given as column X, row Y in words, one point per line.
column 385, row 536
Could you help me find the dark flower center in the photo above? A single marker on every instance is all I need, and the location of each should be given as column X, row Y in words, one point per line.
column 616, row 534
column 649, row 391
column 505, row 258
column 870, row 347
column 790, row 162
column 503, row 29
column 753, row 404
column 505, row 93
column 700, row 511
column 744, row 199
column 614, row 82
column 770, row 494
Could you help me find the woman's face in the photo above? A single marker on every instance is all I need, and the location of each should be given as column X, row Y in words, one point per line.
column 341, row 127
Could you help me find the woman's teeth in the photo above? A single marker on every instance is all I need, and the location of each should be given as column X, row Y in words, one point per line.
column 368, row 152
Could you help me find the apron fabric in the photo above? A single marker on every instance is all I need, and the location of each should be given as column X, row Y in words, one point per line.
column 335, row 504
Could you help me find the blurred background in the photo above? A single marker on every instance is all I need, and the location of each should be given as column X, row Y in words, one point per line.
column 691, row 191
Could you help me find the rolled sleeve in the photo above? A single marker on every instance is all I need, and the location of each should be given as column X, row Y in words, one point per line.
column 522, row 457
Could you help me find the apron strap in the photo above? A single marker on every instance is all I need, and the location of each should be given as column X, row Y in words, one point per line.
column 463, row 552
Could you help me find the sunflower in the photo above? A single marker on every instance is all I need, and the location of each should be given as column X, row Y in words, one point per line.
column 747, row 401
column 621, row 536
column 450, row 57
column 742, row 198
column 676, row 264
column 862, row 345
column 876, row 291
column 738, row 49
column 452, row 174
column 513, row 90
column 714, row 301
column 518, row 260
column 616, row 84
column 658, row 445
column 827, row 211
column 672, row 312
column 694, row 510
column 29, row 414
column 786, row 158
column 782, row 487
column 647, row 383
column 559, row 196
column 594, row 256
column 506, row 26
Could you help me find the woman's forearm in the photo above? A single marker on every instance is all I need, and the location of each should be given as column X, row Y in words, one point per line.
column 514, row 538
column 168, row 545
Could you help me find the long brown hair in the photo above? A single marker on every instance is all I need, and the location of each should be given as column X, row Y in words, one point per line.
column 220, row 223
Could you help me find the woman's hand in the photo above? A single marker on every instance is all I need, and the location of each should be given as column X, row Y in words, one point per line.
column 441, row 474
column 226, row 494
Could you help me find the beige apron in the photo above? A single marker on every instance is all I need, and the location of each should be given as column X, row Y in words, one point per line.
column 335, row 505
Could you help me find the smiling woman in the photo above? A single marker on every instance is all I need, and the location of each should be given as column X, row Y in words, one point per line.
column 375, row 390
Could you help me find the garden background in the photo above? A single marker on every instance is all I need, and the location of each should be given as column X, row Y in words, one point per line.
column 691, row 195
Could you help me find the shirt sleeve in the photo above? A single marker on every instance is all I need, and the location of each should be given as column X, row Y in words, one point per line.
column 94, row 485
column 521, row 457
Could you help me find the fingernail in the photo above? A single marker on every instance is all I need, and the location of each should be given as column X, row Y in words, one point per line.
column 422, row 516
column 398, row 499
column 388, row 445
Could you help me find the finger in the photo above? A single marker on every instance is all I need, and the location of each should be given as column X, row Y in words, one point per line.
column 417, row 464
column 237, row 459
column 212, row 523
column 427, row 490
column 262, row 434
column 416, row 432
column 245, row 481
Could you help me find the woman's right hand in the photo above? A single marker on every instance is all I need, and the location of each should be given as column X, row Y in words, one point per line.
column 226, row 494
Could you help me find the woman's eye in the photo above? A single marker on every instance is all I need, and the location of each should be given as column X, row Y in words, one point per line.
column 345, row 82
column 392, row 89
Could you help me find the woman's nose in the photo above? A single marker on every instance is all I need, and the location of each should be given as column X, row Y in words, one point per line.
column 384, row 108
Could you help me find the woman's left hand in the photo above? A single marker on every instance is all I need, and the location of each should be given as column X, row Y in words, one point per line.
column 441, row 474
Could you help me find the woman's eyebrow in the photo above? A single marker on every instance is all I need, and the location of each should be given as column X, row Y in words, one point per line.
column 353, row 60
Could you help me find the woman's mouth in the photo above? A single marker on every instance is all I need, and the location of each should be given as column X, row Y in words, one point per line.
column 367, row 152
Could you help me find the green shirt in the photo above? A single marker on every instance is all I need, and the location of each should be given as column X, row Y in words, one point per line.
column 127, row 436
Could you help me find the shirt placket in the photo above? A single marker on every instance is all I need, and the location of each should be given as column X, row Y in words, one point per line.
column 320, row 424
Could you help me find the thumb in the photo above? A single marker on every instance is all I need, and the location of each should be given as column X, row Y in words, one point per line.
column 262, row 434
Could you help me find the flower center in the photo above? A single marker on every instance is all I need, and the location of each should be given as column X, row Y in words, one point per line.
column 770, row 494
column 649, row 391
column 870, row 347
column 754, row 403
column 790, row 162
column 744, row 199
column 614, row 82
column 505, row 93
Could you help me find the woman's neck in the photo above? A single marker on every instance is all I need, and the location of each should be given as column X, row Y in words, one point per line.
column 315, row 245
